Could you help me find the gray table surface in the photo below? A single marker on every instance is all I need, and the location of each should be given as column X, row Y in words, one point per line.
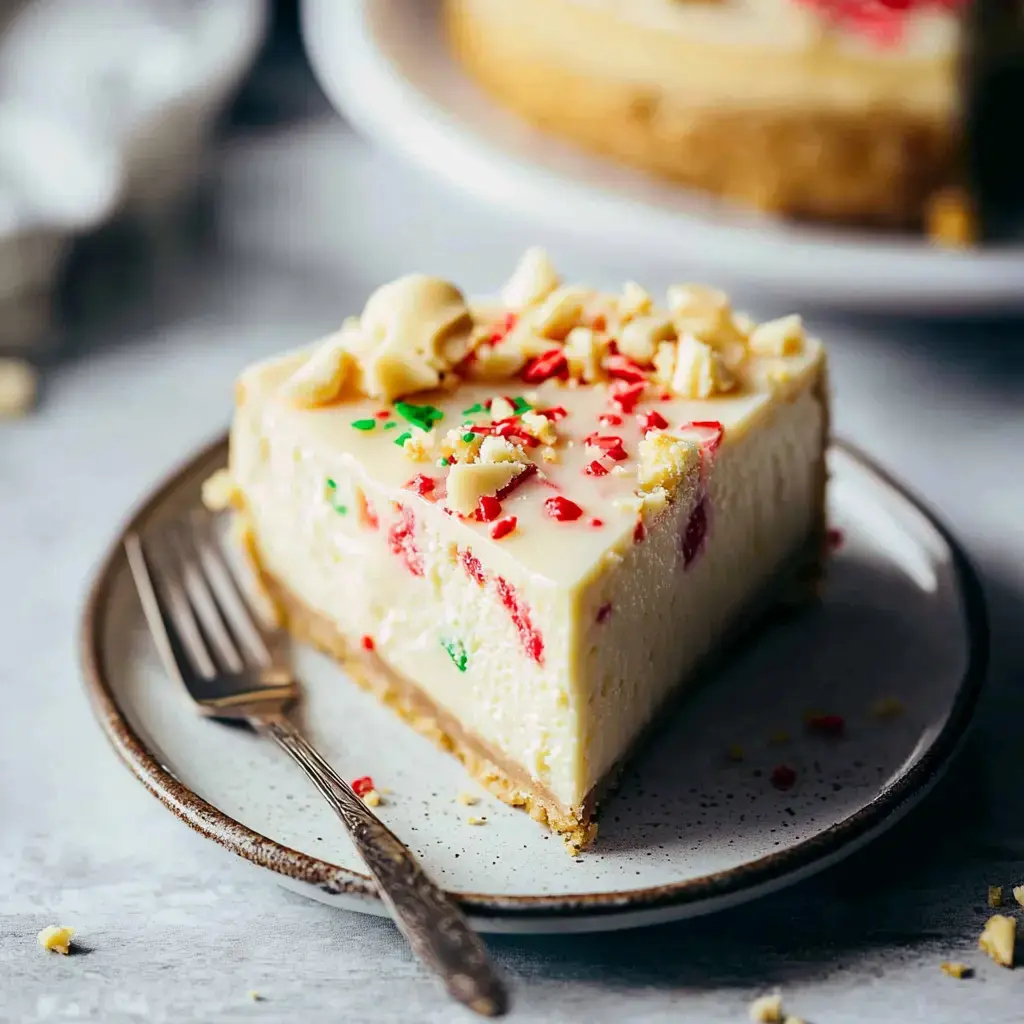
column 304, row 223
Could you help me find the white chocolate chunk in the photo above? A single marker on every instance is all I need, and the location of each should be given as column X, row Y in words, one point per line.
column 782, row 337
column 635, row 301
column 500, row 449
column 540, row 427
column 584, row 350
column 322, row 377
column 467, row 483
column 639, row 339
column 411, row 332
column 496, row 362
column 999, row 938
column 559, row 313
column 501, row 408
column 533, row 280
column 665, row 460
column 699, row 370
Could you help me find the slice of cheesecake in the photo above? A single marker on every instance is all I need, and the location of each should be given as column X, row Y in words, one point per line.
column 525, row 525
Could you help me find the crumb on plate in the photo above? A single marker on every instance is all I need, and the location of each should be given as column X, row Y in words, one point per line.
column 998, row 939
column 955, row 969
column 766, row 1009
column 995, row 895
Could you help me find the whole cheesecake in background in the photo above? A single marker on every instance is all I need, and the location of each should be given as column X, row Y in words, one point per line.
column 525, row 525
column 832, row 110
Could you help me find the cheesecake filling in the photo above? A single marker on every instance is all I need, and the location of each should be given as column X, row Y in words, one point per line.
column 547, row 556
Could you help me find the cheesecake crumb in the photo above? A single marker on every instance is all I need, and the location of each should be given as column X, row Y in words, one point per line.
column 998, row 939
column 1018, row 894
column 219, row 491
column 56, row 938
column 955, row 969
column 468, row 799
column 255, row 996
column 18, row 383
column 372, row 798
column 474, row 820
column 766, row 1009
column 995, row 895
column 887, row 707
column 734, row 752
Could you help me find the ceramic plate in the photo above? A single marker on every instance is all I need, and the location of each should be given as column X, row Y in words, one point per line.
column 384, row 64
column 689, row 831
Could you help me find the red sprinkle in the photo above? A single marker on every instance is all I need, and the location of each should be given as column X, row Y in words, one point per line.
column 383, row 414
column 367, row 513
column 362, row 785
column 835, row 539
column 696, row 531
column 609, row 443
column 665, row 396
column 529, row 637
column 625, row 369
column 552, row 364
column 506, row 428
column 472, row 565
column 652, row 420
column 502, row 328
column 488, row 509
column 609, row 419
column 827, row 725
column 561, row 509
column 516, row 481
column 604, row 611
column 401, row 538
column 639, row 532
column 421, row 484
column 597, row 523
column 503, row 527
column 783, row 777
column 595, row 469
column 367, row 643
column 711, row 430
column 556, row 413
column 626, row 395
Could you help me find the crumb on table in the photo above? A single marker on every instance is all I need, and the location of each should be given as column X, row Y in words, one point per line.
column 995, row 895
column 18, row 382
column 766, row 1009
column 468, row 799
column 56, row 938
column 998, row 939
column 955, row 969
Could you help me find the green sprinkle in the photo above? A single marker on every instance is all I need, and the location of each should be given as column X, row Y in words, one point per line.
column 422, row 416
column 472, row 409
column 402, row 438
column 364, row 424
column 457, row 652
column 468, row 437
column 521, row 405
column 442, row 462
column 332, row 489
column 390, row 425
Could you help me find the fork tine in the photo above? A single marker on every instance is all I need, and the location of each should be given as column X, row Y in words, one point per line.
column 221, row 577
column 203, row 603
column 168, row 616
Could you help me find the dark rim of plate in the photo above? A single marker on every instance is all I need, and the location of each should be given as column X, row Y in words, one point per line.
column 818, row 851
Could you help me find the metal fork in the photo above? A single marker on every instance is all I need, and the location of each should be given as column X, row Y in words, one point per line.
column 235, row 667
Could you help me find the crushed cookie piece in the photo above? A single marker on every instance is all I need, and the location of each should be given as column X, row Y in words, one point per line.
column 995, row 895
column 766, row 1009
column 418, row 445
column 783, row 337
column 998, row 939
column 56, row 938
column 473, row 820
column 955, row 969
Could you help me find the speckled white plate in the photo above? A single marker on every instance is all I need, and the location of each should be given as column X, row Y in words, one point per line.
column 688, row 832
column 385, row 66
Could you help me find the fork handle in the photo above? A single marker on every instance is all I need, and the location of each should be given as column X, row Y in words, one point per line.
column 434, row 927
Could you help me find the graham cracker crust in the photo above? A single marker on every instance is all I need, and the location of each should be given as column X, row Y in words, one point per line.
column 878, row 167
